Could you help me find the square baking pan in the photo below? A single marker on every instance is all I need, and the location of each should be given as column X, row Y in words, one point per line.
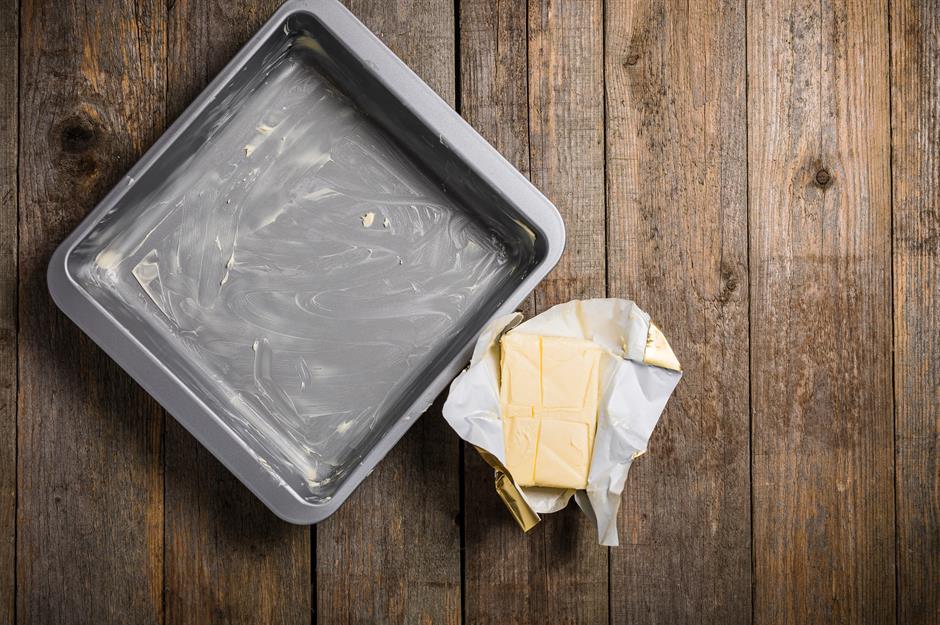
column 302, row 263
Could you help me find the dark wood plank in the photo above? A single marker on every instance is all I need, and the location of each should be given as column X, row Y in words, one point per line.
column 677, row 245
column 820, row 258
column 228, row 559
column 915, row 79
column 557, row 573
column 494, row 99
column 90, row 484
column 391, row 553
column 9, row 50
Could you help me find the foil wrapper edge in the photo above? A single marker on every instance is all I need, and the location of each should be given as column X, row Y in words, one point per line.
column 509, row 493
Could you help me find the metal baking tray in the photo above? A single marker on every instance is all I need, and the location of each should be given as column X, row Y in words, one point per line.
column 302, row 263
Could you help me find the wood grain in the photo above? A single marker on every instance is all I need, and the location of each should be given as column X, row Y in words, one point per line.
column 749, row 187
column 566, row 139
column 9, row 78
column 228, row 559
column 90, row 484
column 915, row 79
column 391, row 554
column 557, row 573
column 677, row 245
column 820, row 258
column 494, row 75
column 498, row 557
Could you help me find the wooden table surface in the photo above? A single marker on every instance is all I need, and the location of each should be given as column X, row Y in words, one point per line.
column 762, row 177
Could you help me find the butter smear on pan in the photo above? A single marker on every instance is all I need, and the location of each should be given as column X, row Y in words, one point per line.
column 549, row 401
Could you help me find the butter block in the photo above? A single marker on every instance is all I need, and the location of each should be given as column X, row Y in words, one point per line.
column 563, row 457
column 521, row 358
column 569, row 374
column 522, row 436
column 549, row 390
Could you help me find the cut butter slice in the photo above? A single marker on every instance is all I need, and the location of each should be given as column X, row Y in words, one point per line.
column 549, row 400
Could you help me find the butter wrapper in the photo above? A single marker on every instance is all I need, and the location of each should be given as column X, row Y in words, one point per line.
column 639, row 371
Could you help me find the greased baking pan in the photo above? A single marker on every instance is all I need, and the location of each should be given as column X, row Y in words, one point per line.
column 304, row 260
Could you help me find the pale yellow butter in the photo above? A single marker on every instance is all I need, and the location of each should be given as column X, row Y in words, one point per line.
column 549, row 401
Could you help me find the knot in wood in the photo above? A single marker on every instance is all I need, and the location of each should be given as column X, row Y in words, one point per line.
column 77, row 135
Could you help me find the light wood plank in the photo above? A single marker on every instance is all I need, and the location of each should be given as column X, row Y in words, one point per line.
column 228, row 559
column 677, row 245
column 90, row 484
column 915, row 79
column 820, row 239
column 391, row 553
column 9, row 78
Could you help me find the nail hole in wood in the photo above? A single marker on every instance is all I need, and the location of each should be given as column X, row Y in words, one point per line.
column 823, row 178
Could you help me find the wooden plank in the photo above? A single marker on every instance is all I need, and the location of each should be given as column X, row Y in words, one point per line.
column 9, row 77
column 494, row 99
column 677, row 245
column 557, row 573
column 820, row 239
column 391, row 553
column 228, row 559
column 494, row 81
column 915, row 79
column 494, row 75
column 90, row 485
column 566, row 136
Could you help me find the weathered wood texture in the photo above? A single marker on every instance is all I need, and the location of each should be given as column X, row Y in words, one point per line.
column 9, row 75
column 532, row 84
column 559, row 571
column 820, row 258
column 498, row 558
column 915, row 79
column 747, row 162
column 90, row 484
column 494, row 75
column 677, row 245
column 227, row 558
column 566, row 139
column 392, row 552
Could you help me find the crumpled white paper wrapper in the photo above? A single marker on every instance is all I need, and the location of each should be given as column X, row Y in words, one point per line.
column 633, row 395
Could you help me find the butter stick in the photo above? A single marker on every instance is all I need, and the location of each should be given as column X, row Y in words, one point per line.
column 549, row 401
